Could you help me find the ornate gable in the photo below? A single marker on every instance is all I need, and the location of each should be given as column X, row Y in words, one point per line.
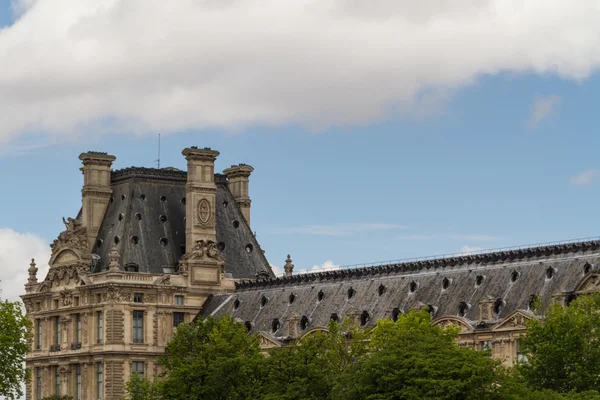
column 517, row 320
column 71, row 244
column 463, row 324
column 267, row 341
column 589, row 283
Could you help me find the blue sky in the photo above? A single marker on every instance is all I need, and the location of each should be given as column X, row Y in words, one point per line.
column 498, row 161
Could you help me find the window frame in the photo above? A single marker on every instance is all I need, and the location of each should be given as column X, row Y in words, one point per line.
column 179, row 320
column 179, row 300
column 100, row 380
column 100, row 327
column 138, row 326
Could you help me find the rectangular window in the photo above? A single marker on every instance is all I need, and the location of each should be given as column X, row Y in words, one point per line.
column 57, row 381
column 138, row 326
column 178, row 318
column 38, row 334
column 137, row 367
column 521, row 357
column 55, row 302
column 179, row 300
column 38, row 383
column 77, row 382
column 99, row 298
column 77, row 328
column 76, row 301
column 57, row 330
column 37, row 306
column 99, row 326
column 138, row 297
column 100, row 380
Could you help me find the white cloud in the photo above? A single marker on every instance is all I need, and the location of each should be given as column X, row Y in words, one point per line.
column 16, row 251
column 585, row 178
column 277, row 270
column 466, row 250
column 341, row 229
column 542, row 108
column 326, row 266
column 75, row 67
column 474, row 238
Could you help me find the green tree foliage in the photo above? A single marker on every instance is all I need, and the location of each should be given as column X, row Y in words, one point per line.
column 140, row 388
column 413, row 359
column 564, row 348
column 212, row 359
column 15, row 336
column 311, row 368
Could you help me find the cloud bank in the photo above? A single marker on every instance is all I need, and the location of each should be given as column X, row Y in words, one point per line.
column 16, row 251
column 75, row 67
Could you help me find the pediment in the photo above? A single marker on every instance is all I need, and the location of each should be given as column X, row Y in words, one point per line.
column 463, row 324
column 65, row 256
column 589, row 283
column 517, row 320
column 313, row 331
column 267, row 341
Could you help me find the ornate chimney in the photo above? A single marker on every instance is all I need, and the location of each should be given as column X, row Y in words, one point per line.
column 239, row 177
column 200, row 196
column 96, row 191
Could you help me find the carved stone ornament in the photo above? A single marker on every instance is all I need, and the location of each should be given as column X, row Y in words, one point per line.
column 66, row 298
column 114, row 259
column 202, row 248
column 114, row 295
column 73, row 237
column 67, row 272
column 203, row 212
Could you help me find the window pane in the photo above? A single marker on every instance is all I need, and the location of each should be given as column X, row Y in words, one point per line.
column 178, row 318
column 138, row 326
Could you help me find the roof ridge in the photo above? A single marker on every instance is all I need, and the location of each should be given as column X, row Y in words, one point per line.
column 436, row 263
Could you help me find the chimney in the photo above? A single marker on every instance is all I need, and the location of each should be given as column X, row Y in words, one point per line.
column 96, row 191
column 239, row 176
column 200, row 196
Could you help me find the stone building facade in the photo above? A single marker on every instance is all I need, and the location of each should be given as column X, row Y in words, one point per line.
column 489, row 295
column 145, row 251
column 152, row 248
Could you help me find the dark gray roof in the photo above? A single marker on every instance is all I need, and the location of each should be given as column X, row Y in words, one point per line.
column 145, row 217
column 509, row 277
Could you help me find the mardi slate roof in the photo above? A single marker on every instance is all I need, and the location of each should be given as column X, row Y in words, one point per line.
column 447, row 286
column 146, row 219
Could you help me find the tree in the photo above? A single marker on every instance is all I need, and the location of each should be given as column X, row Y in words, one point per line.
column 413, row 359
column 311, row 368
column 140, row 388
column 212, row 359
column 15, row 337
column 563, row 348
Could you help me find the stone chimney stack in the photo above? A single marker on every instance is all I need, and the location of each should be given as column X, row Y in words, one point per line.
column 200, row 196
column 96, row 191
column 239, row 176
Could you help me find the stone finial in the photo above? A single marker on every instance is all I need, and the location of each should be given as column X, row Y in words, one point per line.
column 114, row 259
column 32, row 272
column 288, row 267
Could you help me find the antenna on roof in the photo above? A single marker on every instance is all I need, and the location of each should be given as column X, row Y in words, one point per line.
column 158, row 160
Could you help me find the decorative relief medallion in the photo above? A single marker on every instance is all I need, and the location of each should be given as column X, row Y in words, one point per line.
column 203, row 212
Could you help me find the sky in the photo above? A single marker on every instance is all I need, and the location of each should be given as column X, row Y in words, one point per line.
column 378, row 132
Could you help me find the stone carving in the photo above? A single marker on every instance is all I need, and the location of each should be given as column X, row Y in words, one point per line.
column 84, row 382
column 84, row 327
column 114, row 295
column 114, row 259
column 155, row 329
column 28, row 306
column 203, row 212
column 150, row 298
column 450, row 323
column 73, row 237
column 32, row 272
column 66, row 297
column 203, row 247
column 67, row 272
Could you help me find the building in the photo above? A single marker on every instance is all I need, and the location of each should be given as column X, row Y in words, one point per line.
column 152, row 248
column 145, row 251
column 488, row 295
